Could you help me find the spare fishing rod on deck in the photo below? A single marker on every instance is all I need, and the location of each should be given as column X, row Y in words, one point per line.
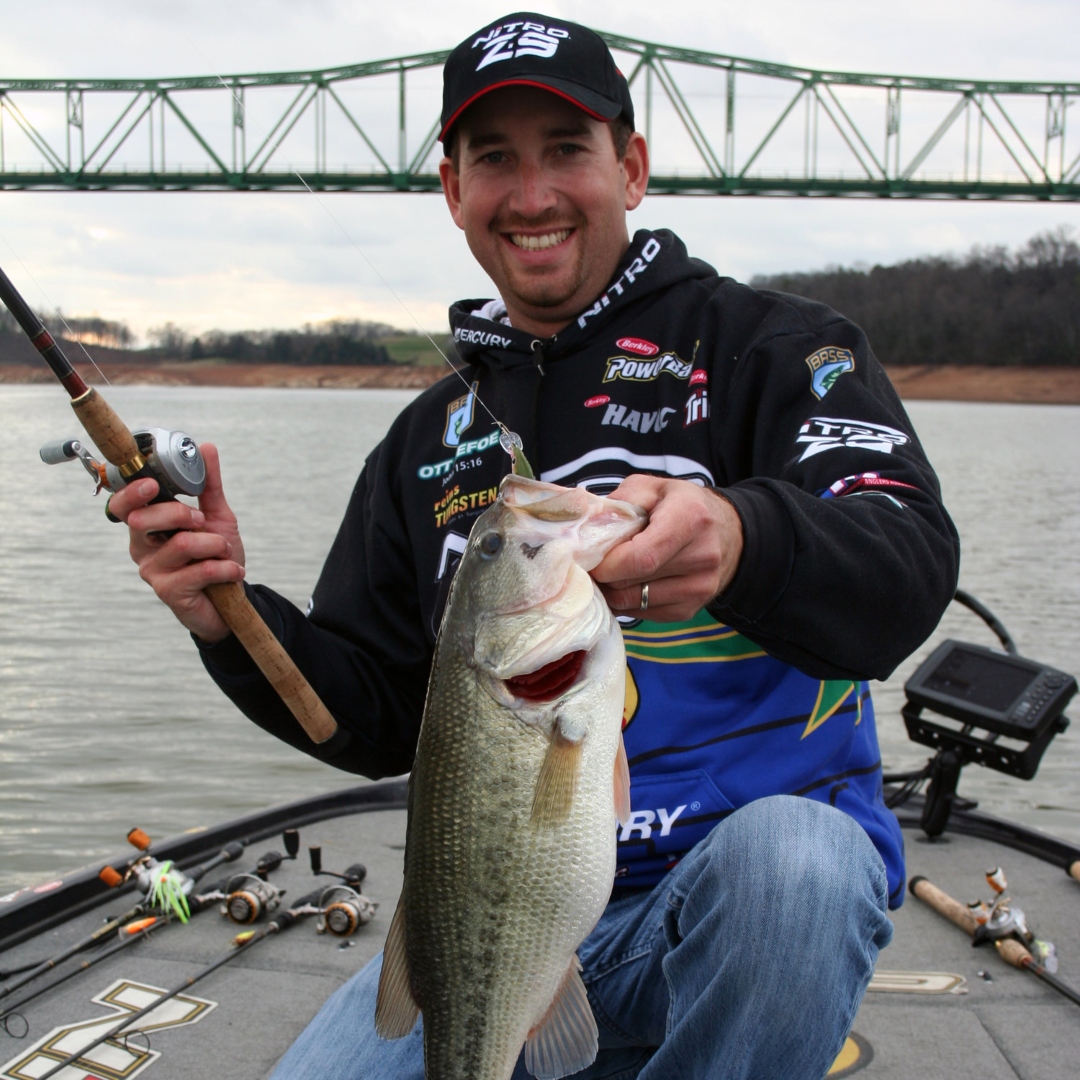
column 129, row 932
column 1011, row 939
column 306, row 905
column 173, row 460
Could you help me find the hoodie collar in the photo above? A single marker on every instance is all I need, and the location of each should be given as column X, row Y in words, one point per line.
column 654, row 261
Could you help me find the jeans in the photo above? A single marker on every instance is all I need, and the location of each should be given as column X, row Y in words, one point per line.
column 748, row 960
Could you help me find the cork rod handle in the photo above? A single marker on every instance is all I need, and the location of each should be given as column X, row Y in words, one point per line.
column 944, row 904
column 109, row 433
column 273, row 661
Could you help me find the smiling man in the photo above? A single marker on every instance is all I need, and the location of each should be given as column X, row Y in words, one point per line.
column 797, row 547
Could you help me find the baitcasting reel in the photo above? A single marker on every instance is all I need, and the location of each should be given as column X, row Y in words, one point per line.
column 1002, row 919
column 172, row 459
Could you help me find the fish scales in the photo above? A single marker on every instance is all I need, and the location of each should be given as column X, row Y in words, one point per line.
column 496, row 902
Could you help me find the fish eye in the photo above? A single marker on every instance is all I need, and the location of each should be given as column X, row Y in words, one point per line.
column 490, row 545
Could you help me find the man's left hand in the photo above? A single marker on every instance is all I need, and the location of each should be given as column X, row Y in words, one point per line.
column 687, row 555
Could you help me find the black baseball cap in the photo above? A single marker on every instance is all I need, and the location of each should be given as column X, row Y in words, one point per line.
column 527, row 49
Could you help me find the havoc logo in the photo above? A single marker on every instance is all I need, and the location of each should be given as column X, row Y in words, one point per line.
column 821, row 433
column 642, row 422
column 623, row 367
column 530, row 39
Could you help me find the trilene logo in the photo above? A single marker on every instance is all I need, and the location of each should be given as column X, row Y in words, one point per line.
column 115, row 1059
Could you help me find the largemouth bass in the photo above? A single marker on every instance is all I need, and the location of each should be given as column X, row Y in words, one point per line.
column 520, row 777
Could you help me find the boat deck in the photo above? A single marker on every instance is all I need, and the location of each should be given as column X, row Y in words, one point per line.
column 1003, row 1023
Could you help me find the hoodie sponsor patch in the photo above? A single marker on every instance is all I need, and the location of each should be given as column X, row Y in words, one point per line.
column 639, row 370
column 821, row 433
column 459, row 418
column 826, row 366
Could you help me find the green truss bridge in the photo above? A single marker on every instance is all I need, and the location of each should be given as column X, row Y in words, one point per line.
column 717, row 125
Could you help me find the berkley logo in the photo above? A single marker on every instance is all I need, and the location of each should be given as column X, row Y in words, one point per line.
column 699, row 377
column 595, row 402
column 637, row 345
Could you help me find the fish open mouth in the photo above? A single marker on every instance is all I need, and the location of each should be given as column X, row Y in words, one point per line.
column 550, row 681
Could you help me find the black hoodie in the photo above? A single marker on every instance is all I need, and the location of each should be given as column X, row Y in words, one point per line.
column 849, row 558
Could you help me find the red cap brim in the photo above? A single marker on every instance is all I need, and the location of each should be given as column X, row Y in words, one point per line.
column 520, row 82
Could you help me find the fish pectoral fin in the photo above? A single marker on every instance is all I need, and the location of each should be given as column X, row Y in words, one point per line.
column 565, row 1040
column 395, row 1007
column 557, row 783
column 622, row 785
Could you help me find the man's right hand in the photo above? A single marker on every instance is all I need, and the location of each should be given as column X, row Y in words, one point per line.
column 206, row 549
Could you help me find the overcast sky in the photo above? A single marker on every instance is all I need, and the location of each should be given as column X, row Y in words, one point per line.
column 207, row 260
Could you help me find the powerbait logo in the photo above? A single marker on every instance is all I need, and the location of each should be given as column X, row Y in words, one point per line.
column 826, row 366
column 459, row 418
column 638, row 265
column 509, row 40
column 821, row 433
column 464, row 450
column 481, row 337
column 623, row 367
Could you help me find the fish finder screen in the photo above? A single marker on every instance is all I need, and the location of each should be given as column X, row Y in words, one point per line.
column 992, row 683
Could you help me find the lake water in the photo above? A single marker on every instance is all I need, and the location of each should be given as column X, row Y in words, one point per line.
column 107, row 719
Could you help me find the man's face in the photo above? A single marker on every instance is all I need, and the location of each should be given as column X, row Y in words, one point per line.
column 542, row 199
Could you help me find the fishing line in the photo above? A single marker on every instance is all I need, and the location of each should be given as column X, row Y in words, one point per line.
column 59, row 313
column 509, row 440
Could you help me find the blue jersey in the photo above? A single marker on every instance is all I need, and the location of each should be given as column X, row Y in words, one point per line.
column 713, row 722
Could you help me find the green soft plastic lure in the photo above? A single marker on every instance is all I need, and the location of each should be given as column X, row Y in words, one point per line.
column 167, row 891
column 510, row 441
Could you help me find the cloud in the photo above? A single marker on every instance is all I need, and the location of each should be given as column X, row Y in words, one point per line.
column 265, row 259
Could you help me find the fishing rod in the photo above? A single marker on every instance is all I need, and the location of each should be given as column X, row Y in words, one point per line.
column 241, row 943
column 179, row 471
column 142, row 928
column 1009, row 946
column 136, row 931
column 227, row 854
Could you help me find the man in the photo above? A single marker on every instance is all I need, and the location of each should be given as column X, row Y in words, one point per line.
column 797, row 547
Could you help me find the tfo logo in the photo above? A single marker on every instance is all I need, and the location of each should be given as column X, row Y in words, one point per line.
column 508, row 40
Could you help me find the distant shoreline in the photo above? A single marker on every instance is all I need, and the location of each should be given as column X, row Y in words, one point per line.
column 1017, row 385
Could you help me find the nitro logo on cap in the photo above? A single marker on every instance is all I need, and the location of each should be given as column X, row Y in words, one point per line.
column 509, row 40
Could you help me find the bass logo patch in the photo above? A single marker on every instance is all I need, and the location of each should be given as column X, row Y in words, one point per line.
column 459, row 417
column 826, row 366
